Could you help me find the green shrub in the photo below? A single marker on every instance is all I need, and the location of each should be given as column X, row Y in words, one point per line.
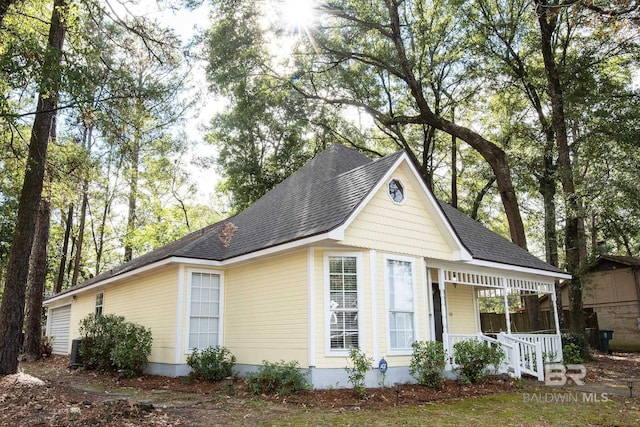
column 427, row 363
column 571, row 354
column 133, row 348
column 473, row 357
column 578, row 340
column 361, row 365
column 111, row 343
column 281, row 377
column 212, row 363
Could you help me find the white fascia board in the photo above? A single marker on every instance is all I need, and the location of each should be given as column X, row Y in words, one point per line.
column 130, row 273
column 460, row 252
column 497, row 266
column 527, row 270
column 332, row 235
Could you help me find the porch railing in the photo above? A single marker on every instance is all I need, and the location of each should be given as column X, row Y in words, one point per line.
column 551, row 345
column 529, row 355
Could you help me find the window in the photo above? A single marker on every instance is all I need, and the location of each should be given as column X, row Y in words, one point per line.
column 400, row 286
column 396, row 191
column 99, row 303
column 343, row 302
column 204, row 310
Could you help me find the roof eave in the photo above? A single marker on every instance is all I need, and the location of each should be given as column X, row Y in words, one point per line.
column 521, row 269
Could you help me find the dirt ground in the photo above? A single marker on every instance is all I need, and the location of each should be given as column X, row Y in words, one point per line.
column 47, row 393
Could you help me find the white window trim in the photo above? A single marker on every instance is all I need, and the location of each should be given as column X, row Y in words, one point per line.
column 387, row 286
column 327, row 318
column 190, row 272
column 405, row 191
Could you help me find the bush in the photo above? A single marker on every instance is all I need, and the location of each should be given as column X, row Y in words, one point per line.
column 361, row 364
column 571, row 354
column 110, row 343
column 212, row 363
column 133, row 348
column 281, row 377
column 579, row 341
column 427, row 363
column 473, row 357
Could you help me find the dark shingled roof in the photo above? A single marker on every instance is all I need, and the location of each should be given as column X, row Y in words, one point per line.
column 316, row 199
column 485, row 245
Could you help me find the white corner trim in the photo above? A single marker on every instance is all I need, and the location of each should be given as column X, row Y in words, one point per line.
column 311, row 308
column 374, row 303
column 179, row 314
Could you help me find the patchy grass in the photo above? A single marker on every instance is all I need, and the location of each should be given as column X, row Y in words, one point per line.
column 508, row 409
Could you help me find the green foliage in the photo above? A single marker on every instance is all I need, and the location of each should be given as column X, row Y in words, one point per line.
column 282, row 377
column 111, row 343
column 571, row 354
column 212, row 363
column 577, row 340
column 361, row 365
column 473, row 357
column 427, row 363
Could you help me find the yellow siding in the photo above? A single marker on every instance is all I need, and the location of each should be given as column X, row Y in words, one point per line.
column 81, row 306
column 461, row 308
column 148, row 299
column 405, row 229
column 266, row 310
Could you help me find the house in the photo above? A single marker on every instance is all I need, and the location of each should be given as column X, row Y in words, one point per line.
column 345, row 252
column 611, row 292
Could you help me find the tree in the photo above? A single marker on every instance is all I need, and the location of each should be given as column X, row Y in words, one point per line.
column 369, row 56
column 12, row 307
column 35, row 285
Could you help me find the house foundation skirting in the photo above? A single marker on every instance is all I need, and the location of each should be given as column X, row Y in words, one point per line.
column 320, row 378
column 167, row 369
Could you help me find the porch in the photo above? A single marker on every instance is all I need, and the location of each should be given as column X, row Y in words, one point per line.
column 525, row 353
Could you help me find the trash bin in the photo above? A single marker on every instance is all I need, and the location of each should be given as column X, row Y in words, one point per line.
column 605, row 336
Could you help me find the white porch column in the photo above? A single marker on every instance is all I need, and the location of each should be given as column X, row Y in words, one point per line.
column 445, row 320
column 505, row 295
column 555, row 310
column 443, row 302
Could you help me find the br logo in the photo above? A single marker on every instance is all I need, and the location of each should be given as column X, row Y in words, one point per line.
column 558, row 374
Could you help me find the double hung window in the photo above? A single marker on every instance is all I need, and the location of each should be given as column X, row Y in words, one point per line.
column 204, row 310
column 343, row 302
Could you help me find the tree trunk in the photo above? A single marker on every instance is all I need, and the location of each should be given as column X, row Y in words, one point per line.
column 494, row 155
column 574, row 238
column 80, row 240
column 454, row 172
column 133, row 195
column 12, row 308
column 86, row 143
column 65, row 249
column 35, row 285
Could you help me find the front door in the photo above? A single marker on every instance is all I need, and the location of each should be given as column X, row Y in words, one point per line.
column 437, row 311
